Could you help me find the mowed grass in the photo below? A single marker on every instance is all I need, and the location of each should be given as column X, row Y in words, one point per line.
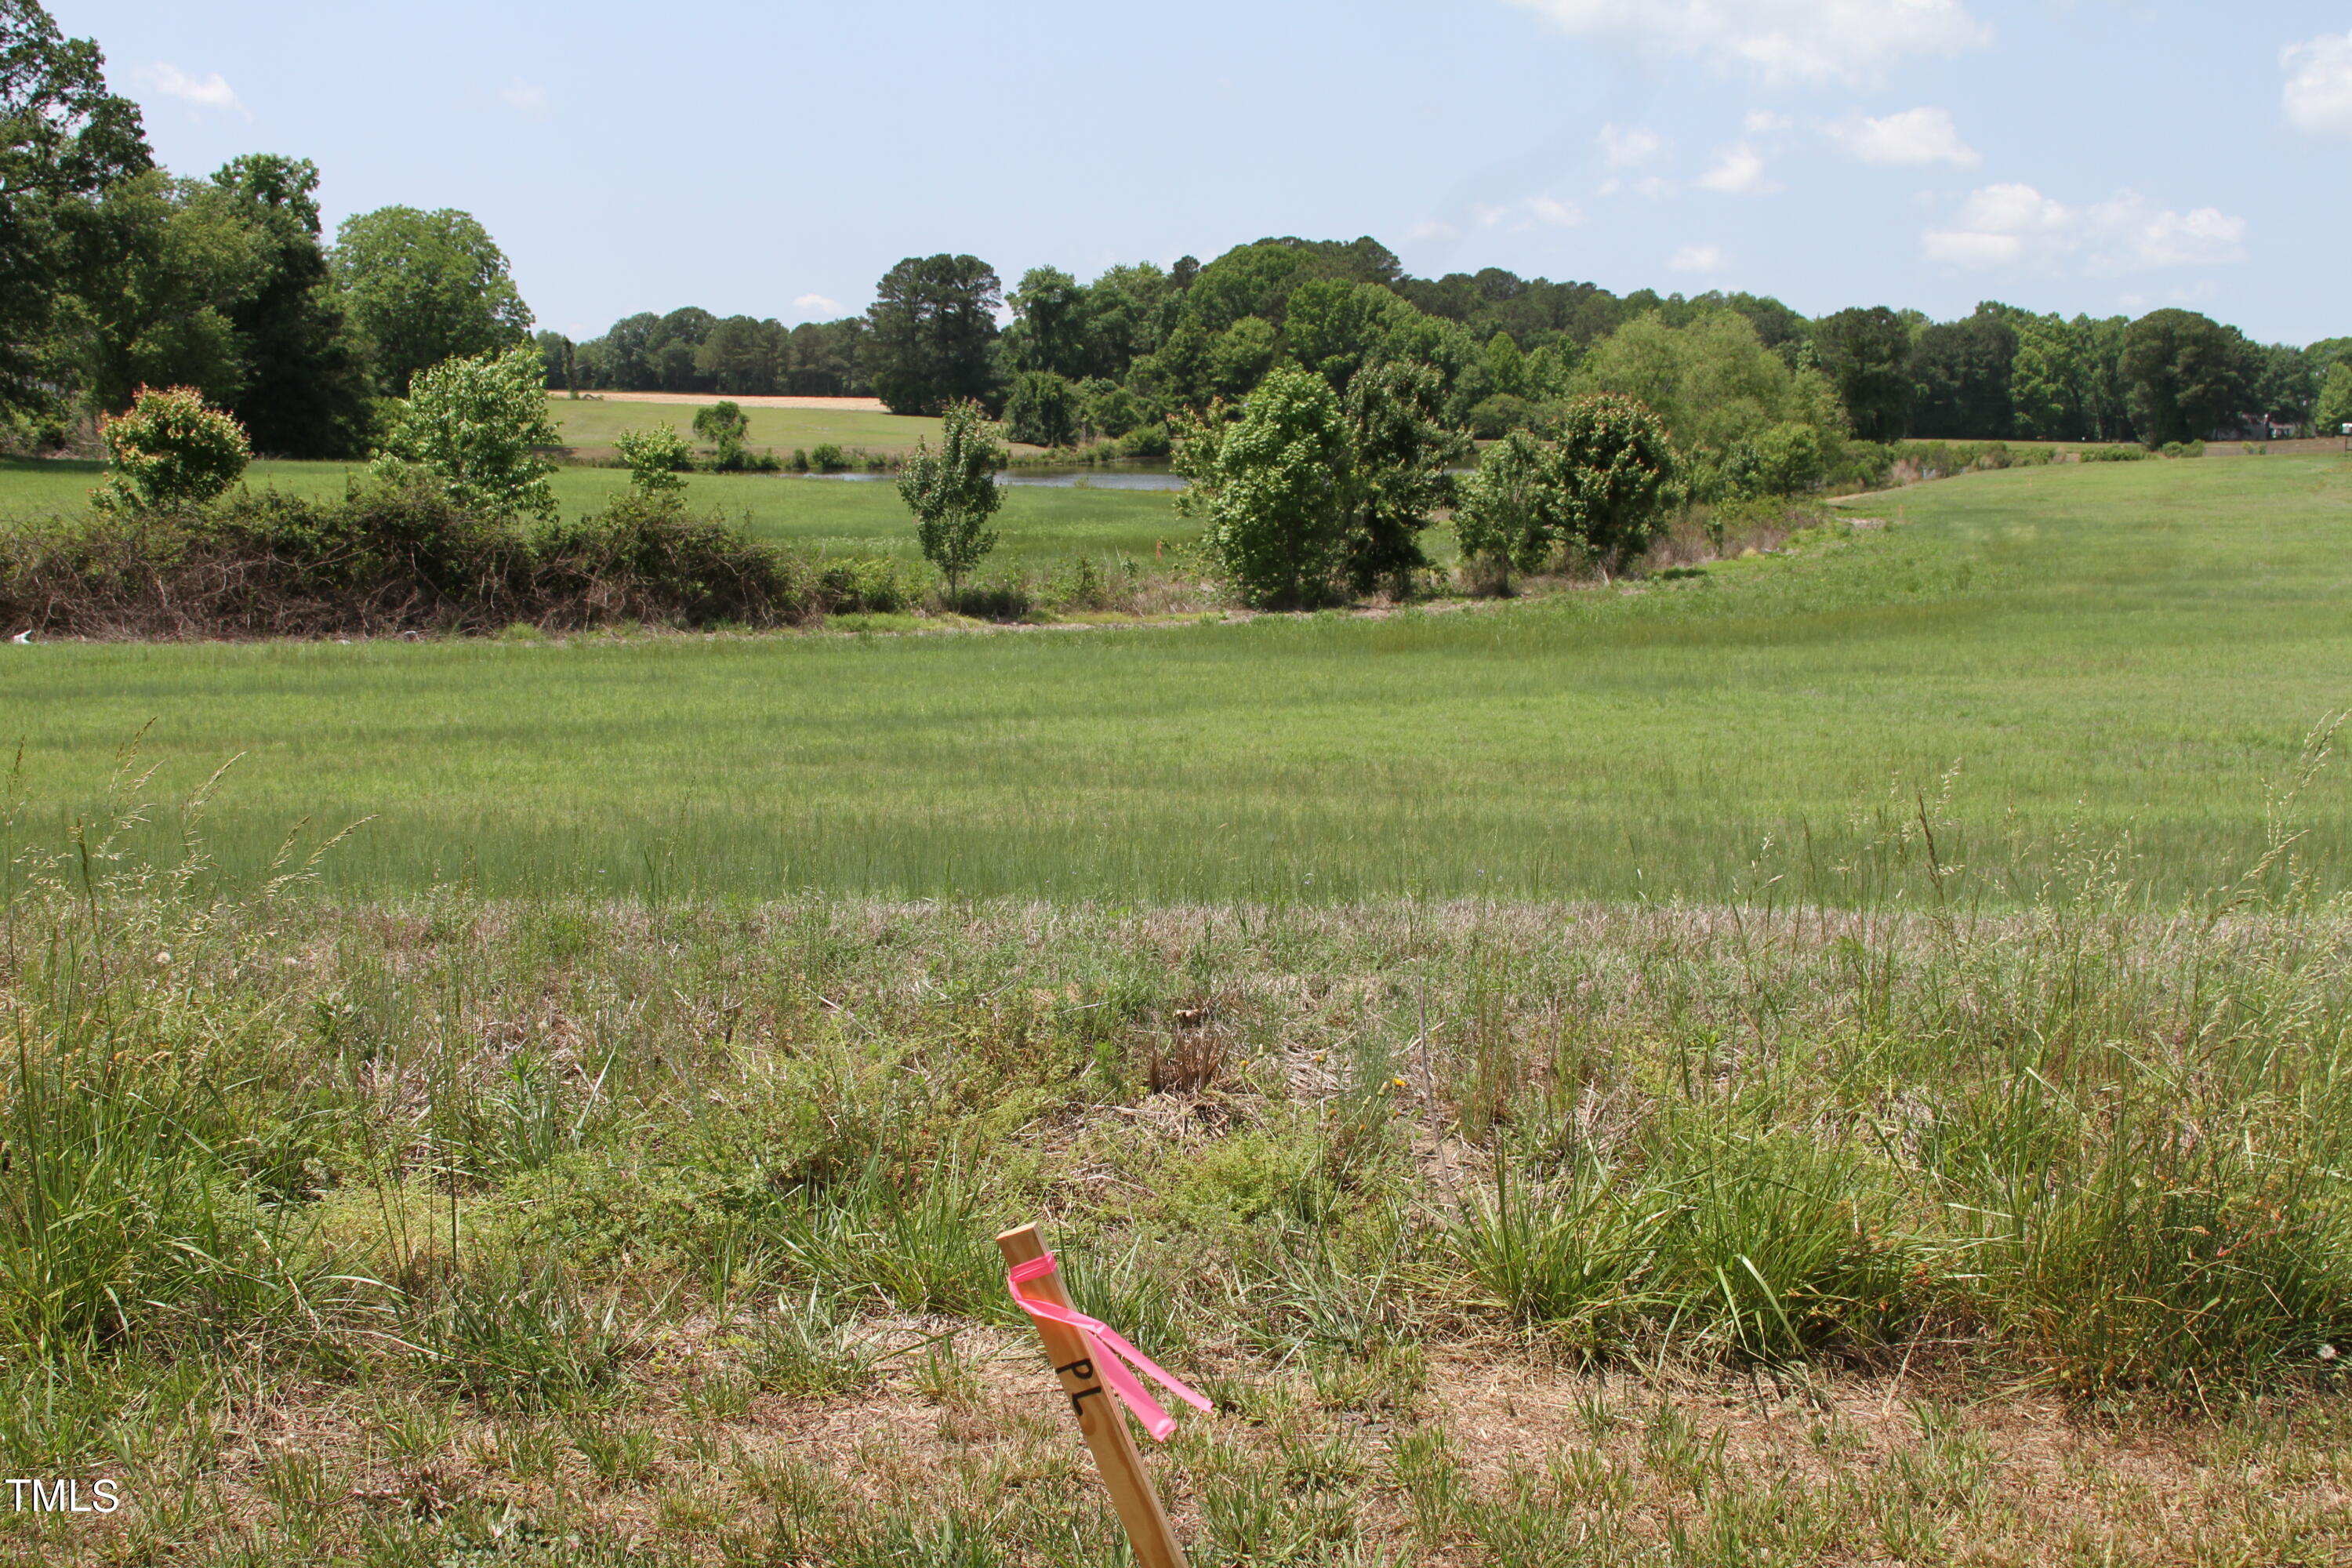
column 1036, row 528
column 2104, row 653
column 597, row 422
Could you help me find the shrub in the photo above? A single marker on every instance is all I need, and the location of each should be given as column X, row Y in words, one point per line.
column 169, row 451
column 389, row 558
column 1151, row 440
column 723, row 425
column 876, row 585
column 2113, row 453
column 1617, row 467
column 827, row 458
column 655, row 458
column 1271, row 487
column 1513, row 512
column 472, row 424
column 1784, row 460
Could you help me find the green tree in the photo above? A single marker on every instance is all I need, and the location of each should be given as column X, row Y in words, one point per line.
column 166, row 264
column 424, row 288
column 953, row 492
column 657, row 458
column 1273, row 491
column 1050, row 331
column 724, row 425
column 1866, row 354
column 1335, row 328
column 1617, row 469
column 1959, row 376
column 1398, row 449
column 932, row 328
column 1506, row 367
column 2046, row 382
column 304, row 388
column 2281, row 382
column 2184, row 375
column 170, row 450
column 2335, row 408
column 65, row 140
column 1513, row 510
column 471, row 426
column 1043, row 410
column 1712, row 381
column 746, row 356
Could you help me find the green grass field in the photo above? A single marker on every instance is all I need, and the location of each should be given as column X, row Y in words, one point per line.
column 2100, row 651
column 595, row 422
column 1505, row 1232
column 1037, row 527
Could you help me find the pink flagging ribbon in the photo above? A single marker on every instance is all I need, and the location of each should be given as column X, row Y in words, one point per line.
column 1123, row 1382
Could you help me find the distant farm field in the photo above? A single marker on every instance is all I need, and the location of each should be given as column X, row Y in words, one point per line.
column 2077, row 659
column 1038, row 526
column 595, row 422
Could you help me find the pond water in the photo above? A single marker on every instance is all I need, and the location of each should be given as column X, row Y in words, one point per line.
column 1058, row 478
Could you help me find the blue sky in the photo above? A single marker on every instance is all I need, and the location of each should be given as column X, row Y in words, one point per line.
column 776, row 158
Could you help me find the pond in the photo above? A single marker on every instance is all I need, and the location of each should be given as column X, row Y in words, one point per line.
column 1058, row 478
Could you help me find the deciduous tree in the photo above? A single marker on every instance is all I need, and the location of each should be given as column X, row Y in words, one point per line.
column 1617, row 469
column 953, row 492
column 1866, row 354
column 64, row 142
column 1273, row 489
column 2184, row 375
column 1398, row 449
column 424, row 288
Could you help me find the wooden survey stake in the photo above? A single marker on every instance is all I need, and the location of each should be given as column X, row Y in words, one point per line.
column 1100, row 1420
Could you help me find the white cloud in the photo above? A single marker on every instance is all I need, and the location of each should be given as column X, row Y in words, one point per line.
column 2009, row 224
column 815, row 302
column 1913, row 136
column 527, row 98
column 2318, row 94
column 210, row 91
column 1968, row 247
column 1553, row 213
column 1805, row 41
column 1696, row 258
column 1488, row 215
column 1629, row 146
column 1763, row 122
column 1435, row 228
column 2130, row 236
column 1738, row 171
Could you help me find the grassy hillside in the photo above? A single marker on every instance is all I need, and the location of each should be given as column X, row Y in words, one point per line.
column 1037, row 526
column 2135, row 649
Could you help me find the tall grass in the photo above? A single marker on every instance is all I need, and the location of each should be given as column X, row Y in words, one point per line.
column 2127, row 649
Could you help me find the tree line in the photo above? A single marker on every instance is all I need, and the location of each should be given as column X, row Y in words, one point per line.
column 116, row 274
column 1120, row 357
